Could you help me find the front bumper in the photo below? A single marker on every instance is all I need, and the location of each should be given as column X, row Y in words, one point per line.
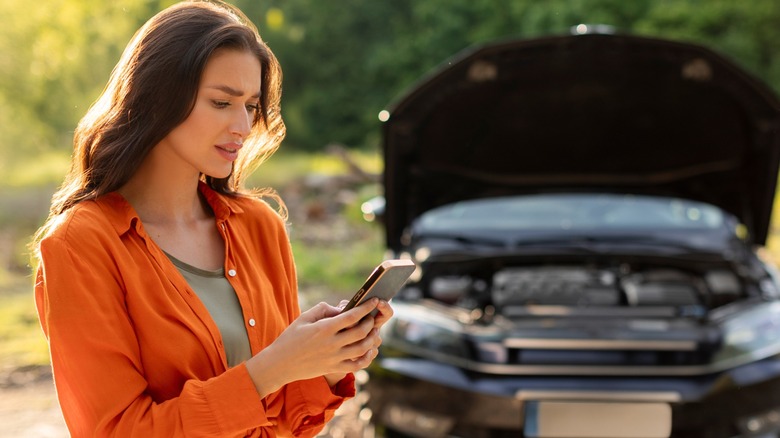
column 424, row 398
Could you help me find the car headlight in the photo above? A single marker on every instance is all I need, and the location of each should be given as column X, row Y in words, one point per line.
column 750, row 335
column 445, row 336
column 428, row 337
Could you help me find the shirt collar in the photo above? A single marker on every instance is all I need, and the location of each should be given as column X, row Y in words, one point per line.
column 123, row 216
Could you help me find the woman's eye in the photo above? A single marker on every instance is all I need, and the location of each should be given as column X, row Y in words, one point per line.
column 253, row 107
column 221, row 103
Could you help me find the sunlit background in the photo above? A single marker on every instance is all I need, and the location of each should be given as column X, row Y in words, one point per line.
column 344, row 62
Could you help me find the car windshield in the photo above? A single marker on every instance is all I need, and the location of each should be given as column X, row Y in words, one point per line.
column 573, row 211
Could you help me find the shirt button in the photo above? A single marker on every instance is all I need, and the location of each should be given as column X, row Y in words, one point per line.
column 232, row 272
column 252, row 322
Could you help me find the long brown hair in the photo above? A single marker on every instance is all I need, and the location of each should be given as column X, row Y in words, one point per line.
column 153, row 89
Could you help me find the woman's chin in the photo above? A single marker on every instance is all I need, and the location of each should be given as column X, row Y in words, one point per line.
column 219, row 173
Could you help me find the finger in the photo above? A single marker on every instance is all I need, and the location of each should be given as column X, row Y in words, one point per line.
column 357, row 332
column 354, row 315
column 360, row 346
column 331, row 311
column 365, row 359
column 342, row 304
column 385, row 312
column 359, row 362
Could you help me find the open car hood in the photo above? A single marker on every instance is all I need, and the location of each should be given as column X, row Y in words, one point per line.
column 594, row 112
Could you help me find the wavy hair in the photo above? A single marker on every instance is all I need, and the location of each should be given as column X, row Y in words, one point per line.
column 153, row 89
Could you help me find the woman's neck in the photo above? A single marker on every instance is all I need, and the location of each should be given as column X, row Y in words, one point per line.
column 176, row 216
column 164, row 197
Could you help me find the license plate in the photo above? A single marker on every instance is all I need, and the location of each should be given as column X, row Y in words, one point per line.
column 585, row 419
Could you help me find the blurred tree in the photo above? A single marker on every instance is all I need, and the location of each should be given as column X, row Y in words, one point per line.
column 327, row 50
column 55, row 57
column 343, row 61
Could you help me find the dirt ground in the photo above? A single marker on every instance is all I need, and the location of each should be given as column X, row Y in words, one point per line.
column 29, row 409
column 28, row 405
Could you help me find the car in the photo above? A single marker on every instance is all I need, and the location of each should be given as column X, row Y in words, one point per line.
column 588, row 214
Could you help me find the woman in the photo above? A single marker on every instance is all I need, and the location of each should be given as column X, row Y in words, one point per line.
column 168, row 294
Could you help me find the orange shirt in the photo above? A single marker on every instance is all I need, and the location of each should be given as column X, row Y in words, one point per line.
column 134, row 351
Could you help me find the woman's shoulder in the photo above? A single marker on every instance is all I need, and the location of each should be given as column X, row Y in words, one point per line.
column 257, row 211
column 88, row 218
column 257, row 204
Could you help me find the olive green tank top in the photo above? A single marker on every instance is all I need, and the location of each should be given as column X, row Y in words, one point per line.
column 220, row 299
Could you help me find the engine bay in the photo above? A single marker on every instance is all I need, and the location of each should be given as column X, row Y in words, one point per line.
column 622, row 285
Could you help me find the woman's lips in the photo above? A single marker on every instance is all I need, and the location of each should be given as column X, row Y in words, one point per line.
column 228, row 151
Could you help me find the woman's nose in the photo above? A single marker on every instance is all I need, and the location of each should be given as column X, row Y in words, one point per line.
column 242, row 123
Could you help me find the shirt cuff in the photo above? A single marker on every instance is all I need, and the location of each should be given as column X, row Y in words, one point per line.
column 344, row 387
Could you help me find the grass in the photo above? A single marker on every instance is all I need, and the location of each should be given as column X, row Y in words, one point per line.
column 21, row 339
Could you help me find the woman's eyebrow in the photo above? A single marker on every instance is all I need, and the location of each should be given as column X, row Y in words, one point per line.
column 232, row 91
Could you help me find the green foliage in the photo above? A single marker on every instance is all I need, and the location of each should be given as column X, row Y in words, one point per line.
column 56, row 57
column 343, row 61
column 21, row 338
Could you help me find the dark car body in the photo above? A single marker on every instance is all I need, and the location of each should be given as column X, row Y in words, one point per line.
column 586, row 213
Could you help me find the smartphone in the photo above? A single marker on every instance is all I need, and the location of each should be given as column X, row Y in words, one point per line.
column 384, row 282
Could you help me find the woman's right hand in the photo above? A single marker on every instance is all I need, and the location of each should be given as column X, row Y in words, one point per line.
column 320, row 341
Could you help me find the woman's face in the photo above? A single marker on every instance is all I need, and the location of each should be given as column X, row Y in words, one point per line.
column 209, row 139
